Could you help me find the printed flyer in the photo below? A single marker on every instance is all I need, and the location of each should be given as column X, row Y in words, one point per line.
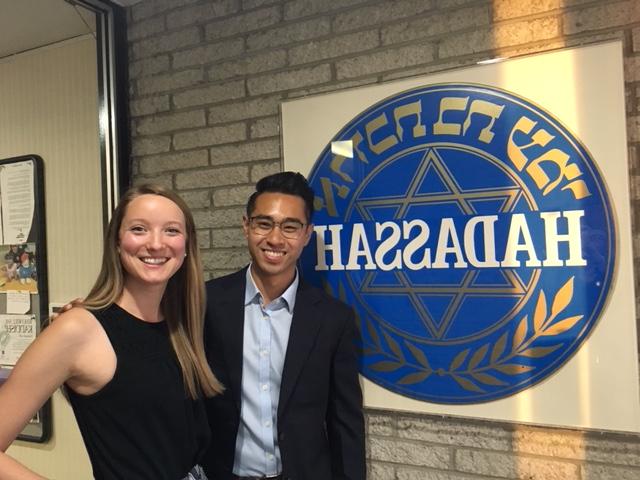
column 16, row 334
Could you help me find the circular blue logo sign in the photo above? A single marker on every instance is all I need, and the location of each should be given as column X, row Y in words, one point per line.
column 473, row 236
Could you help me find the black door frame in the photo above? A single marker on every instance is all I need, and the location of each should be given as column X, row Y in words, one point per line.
column 113, row 125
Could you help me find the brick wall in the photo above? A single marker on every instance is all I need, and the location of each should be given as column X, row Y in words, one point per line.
column 206, row 78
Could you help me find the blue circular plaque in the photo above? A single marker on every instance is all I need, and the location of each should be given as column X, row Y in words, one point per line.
column 473, row 235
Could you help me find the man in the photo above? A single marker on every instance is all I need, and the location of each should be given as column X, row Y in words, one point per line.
column 286, row 353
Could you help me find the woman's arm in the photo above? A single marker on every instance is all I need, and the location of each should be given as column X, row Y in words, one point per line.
column 55, row 356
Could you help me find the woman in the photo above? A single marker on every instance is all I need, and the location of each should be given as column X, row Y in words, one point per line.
column 132, row 360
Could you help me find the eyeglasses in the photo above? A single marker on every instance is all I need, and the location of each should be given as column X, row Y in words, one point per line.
column 291, row 229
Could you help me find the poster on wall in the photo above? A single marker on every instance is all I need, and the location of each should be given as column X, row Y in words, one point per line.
column 470, row 219
column 18, row 272
column 16, row 334
column 17, row 200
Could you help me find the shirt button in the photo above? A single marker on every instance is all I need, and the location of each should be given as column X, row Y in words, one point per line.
column 270, row 456
column 264, row 387
column 264, row 353
column 267, row 423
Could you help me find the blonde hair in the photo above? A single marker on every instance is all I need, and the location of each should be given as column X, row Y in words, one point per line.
column 183, row 302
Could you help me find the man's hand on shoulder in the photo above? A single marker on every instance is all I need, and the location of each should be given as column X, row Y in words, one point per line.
column 76, row 302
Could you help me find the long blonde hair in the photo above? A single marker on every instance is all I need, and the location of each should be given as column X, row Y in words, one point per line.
column 183, row 302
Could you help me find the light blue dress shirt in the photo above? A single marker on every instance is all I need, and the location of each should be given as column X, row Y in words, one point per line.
column 266, row 334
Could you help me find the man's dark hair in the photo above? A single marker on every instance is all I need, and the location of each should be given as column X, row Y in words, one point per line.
column 289, row 183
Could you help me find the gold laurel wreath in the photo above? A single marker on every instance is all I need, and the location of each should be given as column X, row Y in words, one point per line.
column 469, row 368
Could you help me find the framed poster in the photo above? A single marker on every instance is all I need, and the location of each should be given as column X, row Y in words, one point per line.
column 478, row 222
column 23, row 271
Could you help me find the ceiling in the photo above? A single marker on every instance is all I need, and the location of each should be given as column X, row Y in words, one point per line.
column 29, row 24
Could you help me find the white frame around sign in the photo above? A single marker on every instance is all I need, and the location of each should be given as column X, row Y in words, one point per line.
column 583, row 87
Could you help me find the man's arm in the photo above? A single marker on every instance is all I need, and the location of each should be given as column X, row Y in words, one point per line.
column 345, row 420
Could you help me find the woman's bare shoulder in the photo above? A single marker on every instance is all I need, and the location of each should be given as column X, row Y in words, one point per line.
column 77, row 323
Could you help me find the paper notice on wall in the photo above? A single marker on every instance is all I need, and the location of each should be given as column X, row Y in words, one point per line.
column 18, row 200
column 18, row 301
column 16, row 334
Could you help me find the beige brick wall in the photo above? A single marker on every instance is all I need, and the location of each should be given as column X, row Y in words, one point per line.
column 206, row 80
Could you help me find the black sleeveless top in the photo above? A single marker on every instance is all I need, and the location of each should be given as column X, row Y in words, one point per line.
column 141, row 425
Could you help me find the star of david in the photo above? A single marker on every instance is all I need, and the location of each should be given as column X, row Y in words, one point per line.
column 514, row 286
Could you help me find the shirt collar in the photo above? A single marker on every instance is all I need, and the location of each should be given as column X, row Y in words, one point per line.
column 251, row 292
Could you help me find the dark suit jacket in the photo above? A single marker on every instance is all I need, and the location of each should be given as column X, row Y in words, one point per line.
column 320, row 421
